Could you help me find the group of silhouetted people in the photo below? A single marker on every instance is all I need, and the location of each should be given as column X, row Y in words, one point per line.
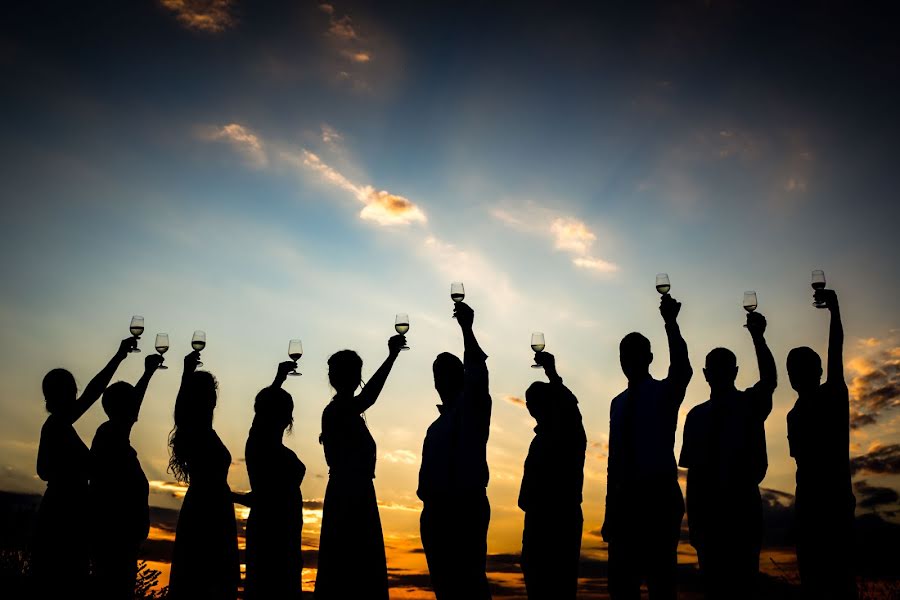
column 724, row 452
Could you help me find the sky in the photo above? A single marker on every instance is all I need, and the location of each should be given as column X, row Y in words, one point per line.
column 274, row 170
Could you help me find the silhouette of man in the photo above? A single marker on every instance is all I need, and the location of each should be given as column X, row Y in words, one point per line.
column 119, row 489
column 454, row 474
column 551, row 488
column 819, row 440
column 724, row 451
column 644, row 504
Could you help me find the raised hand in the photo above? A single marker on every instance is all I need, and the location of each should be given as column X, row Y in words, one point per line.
column 126, row 346
column 284, row 368
column 191, row 361
column 827, row 297
column 464, row 315
column 152, row 362
column 395, row 343
column 756, row 324
column 669, row 308
column 546, row 360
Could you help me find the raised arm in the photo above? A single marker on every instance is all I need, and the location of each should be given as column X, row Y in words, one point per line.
column 151, row 364
column 680, row 371
column 835, row 337
column 372, row 389
column 768, row 375
column 101, row 380
column 282, row 373
column 475, row 388
column 190, row 365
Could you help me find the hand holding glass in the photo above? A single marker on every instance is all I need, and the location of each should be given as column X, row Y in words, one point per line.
column 818, row 283
column 537, row 344
column 401, row 326
column 162, row 345
column 750, row 302
column 457, row 292
column 295, row 351
column 198, row 343
column 136, row 328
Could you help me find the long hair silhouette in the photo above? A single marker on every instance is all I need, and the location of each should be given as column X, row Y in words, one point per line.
column 197, row 414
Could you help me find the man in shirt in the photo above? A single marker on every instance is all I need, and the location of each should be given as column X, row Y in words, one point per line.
column 453, row 477
column 819, row 439
column 724, row 451
column 551, row 488
column 644, row 505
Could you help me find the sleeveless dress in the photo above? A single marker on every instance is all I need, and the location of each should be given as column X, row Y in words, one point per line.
column 205, row 557
column 351, row 548
column 275, row 524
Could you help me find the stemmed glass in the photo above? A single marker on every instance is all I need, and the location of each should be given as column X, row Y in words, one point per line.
column 818, row 283
column 750, row 301
column 662, row 283
column 198, row 343
column 537, row 344
column 457, row 292
column 136, row 328
column 401, row 325
column 295, row 351
column 162, row 345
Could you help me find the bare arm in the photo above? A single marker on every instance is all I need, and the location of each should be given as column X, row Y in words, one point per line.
column 101, row 380
column 283, row 369
column 768, row 375
column 190, row 365
column 680, row 371
column 372, row 389
column 151, row 364
column 835, row 337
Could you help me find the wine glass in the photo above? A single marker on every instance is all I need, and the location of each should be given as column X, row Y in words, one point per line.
column 457, row 292
column 136, row 328
column 750, row 301
column 162, row 345
column 401, row 325
column 662, row 283
column 537, row 344
column 295, row 351
column 818, row 283
column 198, row 343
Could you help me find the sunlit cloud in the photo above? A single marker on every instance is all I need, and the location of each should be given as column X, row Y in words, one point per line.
column 572, row 235
column 885, row 460
column 176, row 489
column 356, row 56
column 241, row 139
column 400, row 456
column 208, row 16
column 514, row 400
column 875, row 381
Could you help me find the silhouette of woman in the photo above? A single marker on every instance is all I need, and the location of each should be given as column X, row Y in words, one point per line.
column 60, row 561
column 274, row 562
column 351, row 527
column 119, row 490
column 205, row 557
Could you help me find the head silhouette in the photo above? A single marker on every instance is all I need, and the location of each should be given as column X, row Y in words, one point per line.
column 120, row 403
column 635, row 356
column 449, row 377
column 59, row 390
column 721, row 369
column 345, row 371
column 804, row 369
column 274, row 409
column 537, row 400
column 193, row 415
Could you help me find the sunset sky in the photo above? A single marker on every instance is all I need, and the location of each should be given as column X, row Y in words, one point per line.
column 274, row 170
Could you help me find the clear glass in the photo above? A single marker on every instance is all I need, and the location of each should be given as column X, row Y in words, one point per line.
column 198, row 343
column 136, row 328
column 750, row 301
column 295, row 351
column 818, row 283
column 457, row 292
column 538, row 345
column 162, row 346
column 662, row 283
column 401, row 325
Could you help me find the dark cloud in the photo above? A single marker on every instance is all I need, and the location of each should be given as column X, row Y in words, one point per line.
column 875, row 497
column 881, row 461
column 876, row 388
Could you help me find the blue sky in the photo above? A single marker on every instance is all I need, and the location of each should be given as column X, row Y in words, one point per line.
column 309, row 170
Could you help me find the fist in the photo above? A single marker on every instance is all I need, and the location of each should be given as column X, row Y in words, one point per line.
column 152, row 362
column 756, row 323
column 395, row 343
column 464, row 314
column 669, row 308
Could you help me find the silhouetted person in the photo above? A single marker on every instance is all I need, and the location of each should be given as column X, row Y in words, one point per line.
column 275, row 524
column 60, row 557
column 351, row 546
column 205, row 556
column 819, row 438
column 551, row 488
column 724, row 451
column 453, row 477
column 119, row 490
column 644, row 505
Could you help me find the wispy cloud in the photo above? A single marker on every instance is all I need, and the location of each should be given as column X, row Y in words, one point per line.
column 351, row 49
column 401, row 456
column 208, row 16
column 569, row 234
column 875, row 382
column 241, row 139
column 884, row 460
column 514, row 400
column 176, row 489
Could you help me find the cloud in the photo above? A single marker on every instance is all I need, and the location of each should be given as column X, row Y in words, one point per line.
column 208, row 16
column 569, row 235
column 514, row 400
column 241, row 139
column 884, row 460
column 875, row 385
column 382, row 207
column 404, row 457
column 875, row 497
column 176, row 489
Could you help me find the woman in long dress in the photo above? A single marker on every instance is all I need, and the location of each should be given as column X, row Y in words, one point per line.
column 351, row 548
column 205, row 557
column 60, row 558
column 275, row 523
